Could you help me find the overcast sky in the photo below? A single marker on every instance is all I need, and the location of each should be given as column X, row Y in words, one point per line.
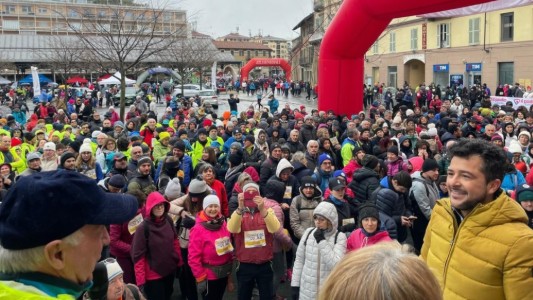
column 274, row 17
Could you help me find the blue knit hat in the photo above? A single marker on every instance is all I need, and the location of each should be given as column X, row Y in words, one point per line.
column 323, row 157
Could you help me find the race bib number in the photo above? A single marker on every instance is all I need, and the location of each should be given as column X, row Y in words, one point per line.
column 223, row 246
column 134, row 223
column 348, row 221
column 288, row 192
column 254, row 239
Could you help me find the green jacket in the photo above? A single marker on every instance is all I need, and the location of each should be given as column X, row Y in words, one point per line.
column 197, row 150
column 38, row 286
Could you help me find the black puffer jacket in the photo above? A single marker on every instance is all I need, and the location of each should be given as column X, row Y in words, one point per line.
column 386, row 201
column 268, row 168
column 364, row 182
column 300, row 171
column 254, row 159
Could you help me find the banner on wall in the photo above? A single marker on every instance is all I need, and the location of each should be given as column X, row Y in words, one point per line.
column 36, row 83
column 501, row 101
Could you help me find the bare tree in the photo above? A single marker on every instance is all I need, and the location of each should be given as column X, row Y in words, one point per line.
column 122, row 38
column 187, row 56
column 63, row 56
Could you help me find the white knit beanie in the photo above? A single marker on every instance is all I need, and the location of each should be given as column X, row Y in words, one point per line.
column 86, row 147
column 173, row 189
column 113, row 270
column 250, row 185
column 210, row 199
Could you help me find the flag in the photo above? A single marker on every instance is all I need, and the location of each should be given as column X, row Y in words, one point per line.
column 36, row 83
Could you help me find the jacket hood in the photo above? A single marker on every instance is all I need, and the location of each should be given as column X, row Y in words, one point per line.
column 417, row 163
column 282, row 165
column 363, row 173
column 34, row 117
column 154, row 199
column 328, row 211
column 274, row 190
column 397, row 143
column 226, row 115
column 403, row 138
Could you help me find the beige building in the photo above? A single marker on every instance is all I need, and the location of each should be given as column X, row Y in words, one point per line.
column 280, row 47
column 447, row 48
column 26, row 26
column 305, row 48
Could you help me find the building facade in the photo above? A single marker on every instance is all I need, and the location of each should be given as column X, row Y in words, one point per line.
column 27, row 26
column 305, row 48
column 454, row 48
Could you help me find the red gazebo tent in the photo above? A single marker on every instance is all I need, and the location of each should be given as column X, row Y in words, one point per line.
column 106, row 76
column 77, row 79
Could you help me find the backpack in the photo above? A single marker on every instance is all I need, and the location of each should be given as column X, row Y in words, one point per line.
column 414, row 203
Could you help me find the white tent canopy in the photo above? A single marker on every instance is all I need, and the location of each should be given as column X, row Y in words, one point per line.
column 115, row 79
column 4, row 81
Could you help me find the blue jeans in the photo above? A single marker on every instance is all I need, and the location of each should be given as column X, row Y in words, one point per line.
column 250, row 274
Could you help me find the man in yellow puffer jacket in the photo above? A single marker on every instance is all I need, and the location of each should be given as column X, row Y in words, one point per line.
column 477, row 242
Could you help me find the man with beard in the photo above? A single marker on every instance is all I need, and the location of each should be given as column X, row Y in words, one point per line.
column 120, row 166
column 198, row 147
column 142, row 181
column 67, row 161
column 478, row 243
column 424, row 194
column 34, row 165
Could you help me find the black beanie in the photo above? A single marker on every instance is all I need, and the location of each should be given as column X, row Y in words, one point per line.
column 118, row 181
column 66, row 156
column 180, row 145
column 429, row 164
column 366, row 211
column 370, row 161
column 75, row 145
column 235, row 158
column 393, row 149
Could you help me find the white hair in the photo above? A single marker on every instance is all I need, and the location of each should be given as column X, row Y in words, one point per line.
column 311, row 142
column 30, row 260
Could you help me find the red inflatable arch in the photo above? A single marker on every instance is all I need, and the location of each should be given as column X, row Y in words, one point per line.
column 356, row 26
column 266, row 62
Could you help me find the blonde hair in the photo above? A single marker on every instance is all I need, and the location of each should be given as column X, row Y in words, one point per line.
column 386, row 271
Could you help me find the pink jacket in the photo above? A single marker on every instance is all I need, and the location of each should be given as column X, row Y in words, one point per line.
column 350, row 168
column 280, row 238
column 202, row 250
column 359, row 240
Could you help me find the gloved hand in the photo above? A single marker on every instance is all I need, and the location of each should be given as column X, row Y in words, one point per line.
column 201, row 287
column 295, row 292
column 188, row 222
column 319, row 235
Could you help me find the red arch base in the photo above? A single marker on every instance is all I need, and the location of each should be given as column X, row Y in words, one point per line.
column 266, row 62
column 356, row 26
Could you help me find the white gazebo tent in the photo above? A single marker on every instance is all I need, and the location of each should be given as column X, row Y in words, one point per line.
column 115, row 79
column 4, row 81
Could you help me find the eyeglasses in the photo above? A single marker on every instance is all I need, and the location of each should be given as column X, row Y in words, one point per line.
column 319, row 218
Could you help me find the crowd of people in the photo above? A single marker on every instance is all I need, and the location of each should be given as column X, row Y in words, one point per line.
column 271, row 195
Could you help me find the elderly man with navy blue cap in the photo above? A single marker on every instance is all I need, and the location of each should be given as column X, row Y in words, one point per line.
column 52, row 230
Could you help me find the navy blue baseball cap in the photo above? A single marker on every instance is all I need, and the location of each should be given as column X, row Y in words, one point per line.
column 49, row 206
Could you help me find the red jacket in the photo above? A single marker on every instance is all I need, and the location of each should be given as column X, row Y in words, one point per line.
column 350, row 168
column 148, row 135
column 121, row 239
column 359, row 240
